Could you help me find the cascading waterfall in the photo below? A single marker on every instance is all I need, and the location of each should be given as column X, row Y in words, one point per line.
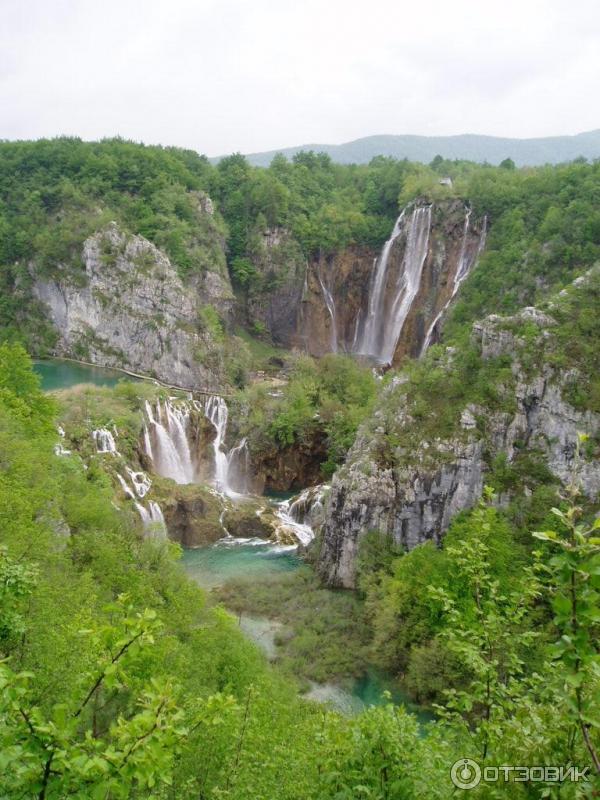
column 232, row 470
column 238, row 467
column 140, row 481
column 466, row 263
column 105, row 441
column 304, row 533
column 303, row 514
column 166, row 441
column 217, row 412
column 330, row 304
column 385, row 319
column 167, row 444
column 152, row 517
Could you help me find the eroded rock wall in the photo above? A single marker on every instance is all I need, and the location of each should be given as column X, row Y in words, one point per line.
column 414, row 493
column 131, row 309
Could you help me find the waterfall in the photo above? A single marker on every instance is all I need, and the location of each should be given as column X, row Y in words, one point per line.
column 232, row 469
column 238, row 467
column 167, row 444
column 375, row 313
column 105, row 441
column 216, row 411
column 302, row 532
column 330, row 303
column 152, row 517
column 466, row 262
column 140, row 481
column 166, row 441
column 389, row 305
column 303, row 514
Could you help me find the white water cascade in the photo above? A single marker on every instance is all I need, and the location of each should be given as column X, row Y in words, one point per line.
column 166, row 440
column 303, row 514
column 466, row 262
column 217, row 412
column 330, row 303
column 390, row 301
column 167, row 444
column 238, row 467
column 371, row 332
column 231, row 469
column 152, row 517
column 105, row 441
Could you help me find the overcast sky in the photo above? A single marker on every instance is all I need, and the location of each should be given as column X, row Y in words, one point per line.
column 226, row 75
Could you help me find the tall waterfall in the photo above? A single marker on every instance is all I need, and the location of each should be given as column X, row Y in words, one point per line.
column 466, row 261
column 390, row 301
column 217, row 412
column 330, row 303
column 374, row 321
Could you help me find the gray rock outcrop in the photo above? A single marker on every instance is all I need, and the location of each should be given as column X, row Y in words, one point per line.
column 412, row 493
column 130, row 309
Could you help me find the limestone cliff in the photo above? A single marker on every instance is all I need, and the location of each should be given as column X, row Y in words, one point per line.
column 407, row 286
column 131, row 309
column 409, row 481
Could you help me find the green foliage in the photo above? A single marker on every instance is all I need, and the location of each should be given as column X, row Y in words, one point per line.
column 485, row 627
column 211, row 322
column 544, row 230
column 323, row 400
column 574, row 572
column 117, row 680
column 323, row 637
column 406, row 618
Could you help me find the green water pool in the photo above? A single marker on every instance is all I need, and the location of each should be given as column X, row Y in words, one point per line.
column 213, row 566
column 56, row 374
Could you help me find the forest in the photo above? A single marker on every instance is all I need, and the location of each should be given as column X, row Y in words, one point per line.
column 121, row 678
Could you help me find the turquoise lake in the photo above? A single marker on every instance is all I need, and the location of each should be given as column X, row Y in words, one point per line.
column 56, row 374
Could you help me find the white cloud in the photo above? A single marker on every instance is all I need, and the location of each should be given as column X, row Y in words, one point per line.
column 223, row 75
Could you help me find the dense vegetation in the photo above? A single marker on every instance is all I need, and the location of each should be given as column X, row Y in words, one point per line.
column 323, row 400
column 118, row 681
column 544, row 223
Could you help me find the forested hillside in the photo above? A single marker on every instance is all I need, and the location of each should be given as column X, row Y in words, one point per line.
column 489, row 149
column 440, row 505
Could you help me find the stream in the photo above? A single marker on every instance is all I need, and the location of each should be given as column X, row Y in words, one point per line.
column 214, row 565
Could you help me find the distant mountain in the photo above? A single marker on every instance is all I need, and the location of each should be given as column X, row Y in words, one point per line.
column 493, row 149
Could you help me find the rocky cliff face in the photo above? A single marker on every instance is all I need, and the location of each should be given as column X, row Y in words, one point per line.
column 413, row 492
column 338, row 291
column 131, row 309
column 335, row 290
column 273, row 302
